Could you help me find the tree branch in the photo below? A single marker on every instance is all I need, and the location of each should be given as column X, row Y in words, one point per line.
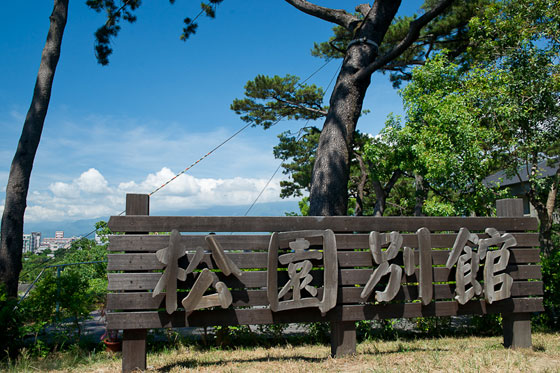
column 364, row 9
column 411, row 37
column 300, row 106
column 391, row 183
column 338, row 16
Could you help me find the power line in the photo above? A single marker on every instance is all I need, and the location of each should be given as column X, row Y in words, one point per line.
column 200, row 159
column 316, row 71
column 263, row 189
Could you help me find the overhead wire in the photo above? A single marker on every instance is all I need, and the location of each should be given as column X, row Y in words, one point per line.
column 227, row 140
column 299, row 134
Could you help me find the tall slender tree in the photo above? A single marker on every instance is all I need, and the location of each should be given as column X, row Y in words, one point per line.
column 22, row 163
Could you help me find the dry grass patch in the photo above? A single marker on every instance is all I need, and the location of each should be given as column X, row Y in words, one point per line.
column 465, row 354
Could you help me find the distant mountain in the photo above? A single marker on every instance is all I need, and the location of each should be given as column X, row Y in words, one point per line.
column 85, row 226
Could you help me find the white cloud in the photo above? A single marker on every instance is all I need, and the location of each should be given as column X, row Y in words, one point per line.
column 92, row 181
column 91, row 195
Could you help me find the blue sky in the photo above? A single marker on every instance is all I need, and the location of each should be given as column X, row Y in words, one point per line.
column 160, row 104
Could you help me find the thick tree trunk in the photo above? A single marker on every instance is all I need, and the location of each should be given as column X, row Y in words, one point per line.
column 22, row 164
column 329, row 185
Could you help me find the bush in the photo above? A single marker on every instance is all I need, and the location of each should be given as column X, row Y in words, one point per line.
column 11, row 319
column 551, row 281
column 70, row 291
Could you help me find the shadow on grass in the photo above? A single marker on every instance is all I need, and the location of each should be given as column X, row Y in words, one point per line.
column 190, row 363
column 404, row 349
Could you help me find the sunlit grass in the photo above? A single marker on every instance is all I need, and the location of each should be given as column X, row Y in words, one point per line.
column 464, row 354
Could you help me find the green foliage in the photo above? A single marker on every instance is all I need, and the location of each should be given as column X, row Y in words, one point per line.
column 298, row 155
column 434, row 325
column 232, row 336
column 125, row 12
column 11, row 320
column 318, row 332
column 451, row 148
column 490, row 324
column 271, row 99
column 273, row 331
column 551, row 280
column 69, row 291
column 448, row 31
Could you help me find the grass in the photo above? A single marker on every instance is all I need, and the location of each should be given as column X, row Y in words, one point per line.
column 444, row 354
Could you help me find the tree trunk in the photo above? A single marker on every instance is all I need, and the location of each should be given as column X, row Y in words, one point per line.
column 546, row 216
column 380, row 199
column 329, row 183
column 22, row 164
column 420, row 195
column 361, row 185
column 545, row 212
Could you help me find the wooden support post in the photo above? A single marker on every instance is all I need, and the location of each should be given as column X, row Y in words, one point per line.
column 134, row 340
column 517, row 330
column 517, row 326
column 137, row 204
column 343, row 338
column 134, row 350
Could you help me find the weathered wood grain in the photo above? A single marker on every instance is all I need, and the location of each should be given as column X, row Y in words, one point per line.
column 133, row 224
column 152, row 243
column 257, row 279
column 152, row 319
column 346, row 295
column 148, row 261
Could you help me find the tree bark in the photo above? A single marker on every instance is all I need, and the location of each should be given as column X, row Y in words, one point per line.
column 545, row 211
column 329, row 182
column 382, row 193
column 420, row 195
column 22, row 163
column 361, row 185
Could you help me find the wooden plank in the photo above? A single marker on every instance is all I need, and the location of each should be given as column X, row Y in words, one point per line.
column 133, row 224
column 509, row 207
column 148, row 261
column 152, row 243
column 152, row 319
column 346, row 295
column 257, row 279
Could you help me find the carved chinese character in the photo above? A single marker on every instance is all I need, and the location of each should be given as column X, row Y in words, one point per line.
column 196, row 299
column 299, row 262
column 491, row 280
column 426, row 276
column 376, row 242
column 467, row 266
column 169, row 256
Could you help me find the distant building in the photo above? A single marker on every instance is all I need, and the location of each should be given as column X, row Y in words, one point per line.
column 31, row 242
column 58, row 242
column 27, row 243
column 518, row 185
column 35, row 241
